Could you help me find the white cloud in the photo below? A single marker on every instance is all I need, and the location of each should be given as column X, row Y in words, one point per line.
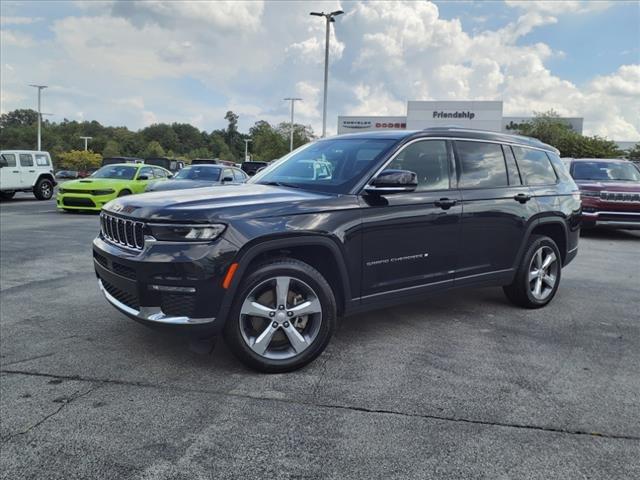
column 8, row 20
column 136, row 63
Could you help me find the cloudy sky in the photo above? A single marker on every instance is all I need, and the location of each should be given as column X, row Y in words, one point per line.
column 134, row 64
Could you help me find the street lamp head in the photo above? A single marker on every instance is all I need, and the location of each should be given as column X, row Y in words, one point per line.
column 317, row 14
column 39, row 86
column 336, row 13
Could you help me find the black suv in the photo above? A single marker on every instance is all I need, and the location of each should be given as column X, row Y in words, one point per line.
column 341, row 225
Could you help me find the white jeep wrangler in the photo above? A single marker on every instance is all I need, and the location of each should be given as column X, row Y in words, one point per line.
column 26, row 171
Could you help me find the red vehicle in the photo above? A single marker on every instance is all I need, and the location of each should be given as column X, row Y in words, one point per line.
column 610, row 191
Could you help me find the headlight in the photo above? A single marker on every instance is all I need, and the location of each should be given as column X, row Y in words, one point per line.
column 589, row 193
column 186, row 233
column 108, row 191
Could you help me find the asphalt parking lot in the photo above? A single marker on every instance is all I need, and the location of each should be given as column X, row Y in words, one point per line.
column 462, row 385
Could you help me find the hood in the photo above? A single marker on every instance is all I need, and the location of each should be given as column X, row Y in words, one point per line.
column 224, row 203
column 179, row 184
column 92, row 183
column 613, row 185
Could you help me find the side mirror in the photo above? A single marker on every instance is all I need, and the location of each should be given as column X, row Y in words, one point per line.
column 143, row 177
column 227, row 179
column 170, row 175
column 392, row 181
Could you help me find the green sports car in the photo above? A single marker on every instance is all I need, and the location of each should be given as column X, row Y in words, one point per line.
column 107, row 183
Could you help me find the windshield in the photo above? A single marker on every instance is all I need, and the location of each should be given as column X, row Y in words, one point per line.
column 606, row 171
column 119, row 172
column 332, row 166
column 199, row 173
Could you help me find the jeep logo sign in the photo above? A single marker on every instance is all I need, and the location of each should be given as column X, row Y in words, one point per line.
column 469, row 115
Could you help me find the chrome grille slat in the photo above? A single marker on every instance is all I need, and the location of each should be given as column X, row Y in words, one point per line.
column 122, row 231
column 611, row 196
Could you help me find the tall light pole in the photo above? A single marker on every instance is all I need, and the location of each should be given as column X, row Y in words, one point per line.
column 86, row 139
column 292, row 100
column 246, row 148
column 40, row 88
column 329, row 17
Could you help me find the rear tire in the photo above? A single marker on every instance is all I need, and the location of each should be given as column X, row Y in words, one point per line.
column 43, row 189
column 7, row 195
column 538, row 276
column 266, row 330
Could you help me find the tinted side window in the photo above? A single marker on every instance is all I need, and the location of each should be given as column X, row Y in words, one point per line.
column 535, row 167
column 10, row 158
column 429, row 159
column 42, row 160
column 239, row 176
column 482, row 165
column 159, row 173
column 26, row 160
column 559, row 166
column 147, row 172
column 512, row 167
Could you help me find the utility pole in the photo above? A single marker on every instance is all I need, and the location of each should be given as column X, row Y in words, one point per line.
column 329, row 17
column 40, row 88
column 246, row 149
column 86, row 139
column 292, row 100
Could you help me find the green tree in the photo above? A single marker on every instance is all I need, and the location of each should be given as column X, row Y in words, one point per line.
column 202, row 152
column 163, row 134
column 267, row 143
column 634, row 152
column 19, row 118
column 111, row 149
column 153, row 149
column 79, row 160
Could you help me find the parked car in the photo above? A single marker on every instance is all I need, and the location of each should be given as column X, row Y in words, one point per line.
column 197, row 176
column 610, row 191
column 204, row 161
column 251, row 168
column 26, row 171
column 272, row 263
column 170, row 164
column 107, row 183
column 86, row 173
column 67, row 174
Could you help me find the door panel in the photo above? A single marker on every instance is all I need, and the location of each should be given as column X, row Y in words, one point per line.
column 28, row 173
column 10, row 175
column 410, row 240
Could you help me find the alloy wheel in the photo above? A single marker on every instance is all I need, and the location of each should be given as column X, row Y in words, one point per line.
column 45, row 190
column 543, row 273
column 280, row 318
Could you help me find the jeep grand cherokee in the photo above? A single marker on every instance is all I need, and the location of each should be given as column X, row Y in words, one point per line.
column 395, row 216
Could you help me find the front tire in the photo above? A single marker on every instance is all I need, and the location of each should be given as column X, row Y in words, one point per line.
column 43, row 189
column 538, row 276
column 282, row 317
column 124, row 193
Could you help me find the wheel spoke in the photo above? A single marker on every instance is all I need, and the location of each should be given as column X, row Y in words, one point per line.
column 538, row 288
column 533, row 274
column 255, row 309
column 307, row 308
column 539, row 258
column 548, row 261
column 550, row 280
column 298, row 342
column 282, row 290
column 264, row 339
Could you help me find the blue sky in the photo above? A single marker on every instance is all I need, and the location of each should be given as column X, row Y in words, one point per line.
column 125, row 63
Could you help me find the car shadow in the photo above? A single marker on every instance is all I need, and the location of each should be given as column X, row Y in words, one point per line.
column 610, row 234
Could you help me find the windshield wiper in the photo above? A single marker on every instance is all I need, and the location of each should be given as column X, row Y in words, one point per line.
column 281, row 184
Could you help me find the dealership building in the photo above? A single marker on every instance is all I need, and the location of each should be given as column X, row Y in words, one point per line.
column 482, row 115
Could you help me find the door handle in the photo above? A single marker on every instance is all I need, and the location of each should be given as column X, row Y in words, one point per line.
column 32, row 171
column 445, row 203
column 522, row 197
column 15, row 171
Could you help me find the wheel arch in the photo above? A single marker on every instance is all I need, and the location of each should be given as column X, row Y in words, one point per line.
column 552, row 227
column 47, row 176
column 320, row 252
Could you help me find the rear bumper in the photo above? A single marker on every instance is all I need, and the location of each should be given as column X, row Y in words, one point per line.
column 611, row 219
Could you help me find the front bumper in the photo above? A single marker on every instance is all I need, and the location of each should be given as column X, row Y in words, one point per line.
column 83, row 201
column 167, row 284
column 612, row 219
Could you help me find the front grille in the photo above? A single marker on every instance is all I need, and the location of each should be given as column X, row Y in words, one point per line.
column 78, row 202
column 123, row 270
column 620, row 196
column 122, row 231
column 130, row 299
column 178, row 304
